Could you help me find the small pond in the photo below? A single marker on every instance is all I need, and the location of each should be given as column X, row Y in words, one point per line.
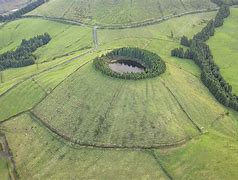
column 126, row 66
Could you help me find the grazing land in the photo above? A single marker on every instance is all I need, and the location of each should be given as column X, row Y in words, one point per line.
column 117, row 11
column 50, row 158
column 64, row 119
column 227, row 59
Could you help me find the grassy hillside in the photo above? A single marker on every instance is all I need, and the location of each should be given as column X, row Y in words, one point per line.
column 65, row 91
column 29, row 92
column 118, row 11
column 65, row 38
column 39, row 155
column 224, row 48
column 67, row 42
column 99, row 117
column 4, row 169
column 212, row 156
column 86, row 111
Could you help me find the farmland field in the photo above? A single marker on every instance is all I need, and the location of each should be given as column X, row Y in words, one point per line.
column 4, row 169
column 189, row 161
column 118, row 12
column 66, row 38
column 226, row 39
column 50, row 158
column 63, row 119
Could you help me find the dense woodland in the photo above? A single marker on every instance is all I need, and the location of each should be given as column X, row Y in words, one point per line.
column 23, row 56
column 200, row 52
column 227, row 2
column 154, row 65
column 22, row 11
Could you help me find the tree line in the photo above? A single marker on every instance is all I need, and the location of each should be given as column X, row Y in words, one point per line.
column 154, row 65
column 17, row 14
column 23, row 55
column 200, row 52
column 227, row 2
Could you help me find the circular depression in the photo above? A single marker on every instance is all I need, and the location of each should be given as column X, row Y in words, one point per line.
column 130, row 63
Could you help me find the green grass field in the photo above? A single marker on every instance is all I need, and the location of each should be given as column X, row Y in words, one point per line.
column 106, row 114
column 227, row 58
column 212, row 156
column 86, row 83
column 66, row 39
column 118, row 12
column 68, row 42
column 4, row 169
column 65, row 91
column 39, row 155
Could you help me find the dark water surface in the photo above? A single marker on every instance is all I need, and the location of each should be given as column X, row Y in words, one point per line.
column 126, row 66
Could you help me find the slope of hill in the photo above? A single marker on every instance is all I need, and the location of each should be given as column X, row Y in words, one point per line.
column 65, row 120
column 227, row 40
column 118, row 11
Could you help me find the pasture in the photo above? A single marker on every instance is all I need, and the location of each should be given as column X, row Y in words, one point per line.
column 89, row 111
column 118, row 12
column 227, row 59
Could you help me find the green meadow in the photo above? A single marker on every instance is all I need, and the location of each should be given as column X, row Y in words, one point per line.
column 59, row 114
column 227, row 59
column 118, row 12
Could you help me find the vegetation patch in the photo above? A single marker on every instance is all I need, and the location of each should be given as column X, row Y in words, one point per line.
column 136, row 64
column 200, row 52
column 226, row 39
column 23, row 56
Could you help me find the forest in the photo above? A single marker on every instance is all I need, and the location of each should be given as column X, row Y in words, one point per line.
column 23, row 55
column 222, row 2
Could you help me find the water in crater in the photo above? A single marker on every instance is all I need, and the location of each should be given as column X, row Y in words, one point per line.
column 126, row 66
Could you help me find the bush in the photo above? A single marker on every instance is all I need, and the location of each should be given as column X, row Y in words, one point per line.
column 223, row 13
column 185, row 41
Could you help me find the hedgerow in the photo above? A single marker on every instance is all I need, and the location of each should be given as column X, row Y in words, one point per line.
column 200, row 52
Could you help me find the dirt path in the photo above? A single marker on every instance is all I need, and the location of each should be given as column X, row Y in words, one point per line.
column 6, row 154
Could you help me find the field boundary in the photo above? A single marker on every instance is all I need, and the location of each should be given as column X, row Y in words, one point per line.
column 152, row 153
column 46, row 93
column 182, row 108
column 46, row 70
column 8, row 154
column 105, row 146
